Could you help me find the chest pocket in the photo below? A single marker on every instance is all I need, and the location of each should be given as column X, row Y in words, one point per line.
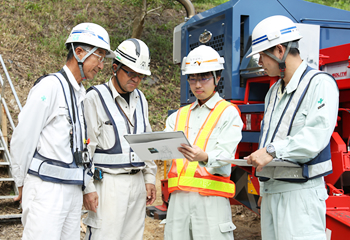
column 64, row 114
column 107, row 134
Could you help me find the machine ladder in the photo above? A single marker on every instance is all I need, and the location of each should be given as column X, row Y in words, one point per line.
column 8, row 188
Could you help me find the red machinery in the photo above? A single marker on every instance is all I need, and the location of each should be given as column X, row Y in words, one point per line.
column 227, row 28
column 335, row 60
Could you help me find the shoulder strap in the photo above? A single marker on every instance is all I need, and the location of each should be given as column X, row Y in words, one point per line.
column 40, row 78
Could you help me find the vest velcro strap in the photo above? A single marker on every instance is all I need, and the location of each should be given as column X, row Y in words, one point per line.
column 202, row 185
column 206, row 184
column 56, row 171
column 115, row 159
column 172, row 182
column 302, row 173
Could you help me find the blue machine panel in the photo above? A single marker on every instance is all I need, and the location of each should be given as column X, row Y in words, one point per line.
column 232, row 23
column 216, row 25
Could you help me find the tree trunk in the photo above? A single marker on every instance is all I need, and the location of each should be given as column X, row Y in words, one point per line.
column 139, row 20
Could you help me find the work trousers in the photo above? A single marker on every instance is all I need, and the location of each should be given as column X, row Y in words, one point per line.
column 50, row 210
column 191, row 216
column 294, row 215
column 121, row 210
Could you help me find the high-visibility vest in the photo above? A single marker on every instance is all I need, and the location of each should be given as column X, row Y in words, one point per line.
column 190, row 176
column 55, row 170
column 120, row 155
column 321, row 165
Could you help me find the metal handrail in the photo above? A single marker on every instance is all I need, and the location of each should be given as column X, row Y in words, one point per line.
column 3, row 142
column 10, row 82
column 7, row 113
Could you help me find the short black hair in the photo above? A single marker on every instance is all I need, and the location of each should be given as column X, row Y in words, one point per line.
column 70, row 50
column 292, row 51
column 218, row 73
column 115, row 61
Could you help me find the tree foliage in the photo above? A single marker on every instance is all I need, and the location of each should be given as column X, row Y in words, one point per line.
column 141, row 9
column 342, row 4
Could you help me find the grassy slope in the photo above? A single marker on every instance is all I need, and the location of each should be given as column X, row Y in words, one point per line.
column 33, row 33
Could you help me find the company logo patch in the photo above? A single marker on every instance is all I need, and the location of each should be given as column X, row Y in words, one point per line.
column 321, row 106
column 76, row 37
column 198, row 62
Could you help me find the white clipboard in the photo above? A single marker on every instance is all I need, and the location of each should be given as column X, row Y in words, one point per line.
column 157, row 145
column 273, row 163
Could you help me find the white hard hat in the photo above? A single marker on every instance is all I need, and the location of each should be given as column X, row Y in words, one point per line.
column 202, row 59
column 272, row 31
column 92, row 34
column 134, row 54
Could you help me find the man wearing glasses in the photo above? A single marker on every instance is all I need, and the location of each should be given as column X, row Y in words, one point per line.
column 200, row 186
column 123, row 184
column 50, row 160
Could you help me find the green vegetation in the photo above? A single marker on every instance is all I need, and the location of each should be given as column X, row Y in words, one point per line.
column 342, row 4
column 33, row 33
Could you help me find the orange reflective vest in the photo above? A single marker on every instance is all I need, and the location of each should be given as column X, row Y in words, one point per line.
column 190, row 176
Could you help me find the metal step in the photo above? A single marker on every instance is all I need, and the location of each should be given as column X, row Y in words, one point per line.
column 10, row 217
column 6, row 179
column 8, row 197
column 4, row 163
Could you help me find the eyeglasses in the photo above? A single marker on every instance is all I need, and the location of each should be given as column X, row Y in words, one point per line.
column 200, row 79
column 134, row 74
column 100, row 58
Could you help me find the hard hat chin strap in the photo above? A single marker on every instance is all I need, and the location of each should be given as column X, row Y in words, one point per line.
column 116, row 77
column 81, row 62
column 215, row 81
column 282, row 62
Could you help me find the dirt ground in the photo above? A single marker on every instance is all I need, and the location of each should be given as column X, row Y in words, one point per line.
column 247, row 222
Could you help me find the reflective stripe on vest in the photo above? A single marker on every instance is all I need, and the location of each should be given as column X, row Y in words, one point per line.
column 58, row 171
column 192, row 176
column 321, row 165
column 120, row 155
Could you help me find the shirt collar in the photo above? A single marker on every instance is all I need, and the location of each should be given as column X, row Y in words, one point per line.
column 294, row 81
column 77, row 87
column 210, row 103
column 115, row 93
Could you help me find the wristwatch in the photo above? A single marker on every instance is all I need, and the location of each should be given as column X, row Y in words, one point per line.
column 270, row 149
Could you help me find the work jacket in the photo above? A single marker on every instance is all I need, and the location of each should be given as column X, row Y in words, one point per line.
column 57, row 130
column 320, row 165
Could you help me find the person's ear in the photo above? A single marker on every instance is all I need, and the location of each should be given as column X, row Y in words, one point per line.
column 217, row 80
column 80, row 52
column 114, row 68
column 281, row 50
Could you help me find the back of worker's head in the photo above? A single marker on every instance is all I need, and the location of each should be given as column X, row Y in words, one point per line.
column 134, row 54
column 203, row 59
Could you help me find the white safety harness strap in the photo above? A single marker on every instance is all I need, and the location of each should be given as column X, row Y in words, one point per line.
column 120, row 155
column 56, row 170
